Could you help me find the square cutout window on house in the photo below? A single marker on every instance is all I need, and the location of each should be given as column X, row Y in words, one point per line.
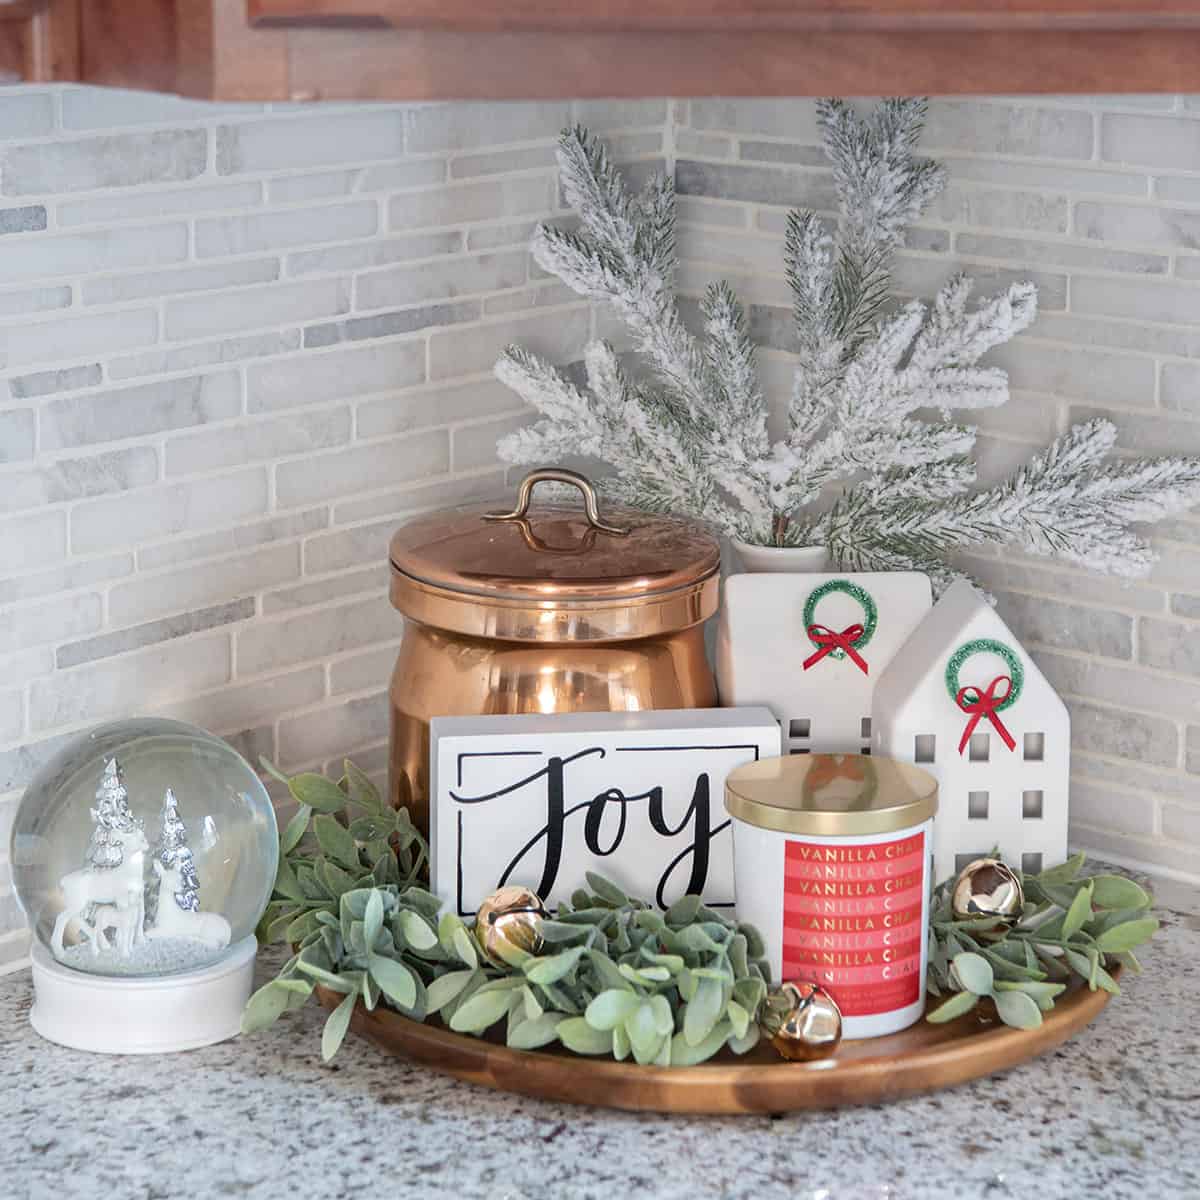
column 980, row 747
column 1031, row 864
column 1035, row 747
column 925, row 747
column 865, row 729
column 977, row 806
column 866, row 750
column 799, row 727
column 965, row 860
column 1031, row 805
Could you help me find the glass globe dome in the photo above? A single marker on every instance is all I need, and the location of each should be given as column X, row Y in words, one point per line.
column 144, row 848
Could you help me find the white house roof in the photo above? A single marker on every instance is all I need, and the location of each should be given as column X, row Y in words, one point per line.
column 961, row 614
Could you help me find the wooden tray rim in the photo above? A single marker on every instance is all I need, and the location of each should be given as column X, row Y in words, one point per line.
column 922, row 1058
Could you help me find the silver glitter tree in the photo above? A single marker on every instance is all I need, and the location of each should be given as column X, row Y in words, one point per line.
column 111, row 818
column 175, row 854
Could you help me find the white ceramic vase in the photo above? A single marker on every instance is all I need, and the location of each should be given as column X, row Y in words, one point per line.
column 793, row 559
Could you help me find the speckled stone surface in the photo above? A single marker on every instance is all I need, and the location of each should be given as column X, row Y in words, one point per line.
column 1115, row 1113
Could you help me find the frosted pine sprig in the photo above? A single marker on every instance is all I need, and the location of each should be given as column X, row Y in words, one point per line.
column 862, row 469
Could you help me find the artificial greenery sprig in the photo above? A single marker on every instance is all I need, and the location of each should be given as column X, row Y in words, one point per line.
column 1070, row 925
column 615, row 976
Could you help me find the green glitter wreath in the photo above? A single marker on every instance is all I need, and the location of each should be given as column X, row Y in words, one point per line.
column 870, row 611
column 1016, row 671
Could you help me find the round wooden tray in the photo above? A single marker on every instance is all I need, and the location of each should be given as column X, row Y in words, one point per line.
column 922, row 1058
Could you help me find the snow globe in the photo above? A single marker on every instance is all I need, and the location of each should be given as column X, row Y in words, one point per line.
column 143, row 855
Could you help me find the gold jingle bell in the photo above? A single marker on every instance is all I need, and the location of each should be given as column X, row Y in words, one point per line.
column 988, row 888
column 510, row 917
column 803, row 1021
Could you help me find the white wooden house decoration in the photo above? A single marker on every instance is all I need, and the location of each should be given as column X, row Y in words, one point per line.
column 811, row 648
column 964, row 700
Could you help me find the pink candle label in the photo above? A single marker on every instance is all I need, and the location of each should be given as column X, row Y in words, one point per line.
column 852, row 921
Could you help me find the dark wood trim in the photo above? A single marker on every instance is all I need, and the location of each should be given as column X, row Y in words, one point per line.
column 724, row 16
column 208, row 48
column 390, row 64
column 39, row 39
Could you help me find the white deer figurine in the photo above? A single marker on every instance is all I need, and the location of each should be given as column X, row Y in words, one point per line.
column 116, row 890
column 173, row 921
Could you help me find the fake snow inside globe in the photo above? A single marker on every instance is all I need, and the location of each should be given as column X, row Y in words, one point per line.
column 143, row 855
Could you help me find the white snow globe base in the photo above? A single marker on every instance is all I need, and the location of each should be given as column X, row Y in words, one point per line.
column 111, row 1014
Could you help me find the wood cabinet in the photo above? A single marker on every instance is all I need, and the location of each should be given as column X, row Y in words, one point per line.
column 442, row 49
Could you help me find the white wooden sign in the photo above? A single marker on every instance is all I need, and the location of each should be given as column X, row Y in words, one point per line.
column 540, row 800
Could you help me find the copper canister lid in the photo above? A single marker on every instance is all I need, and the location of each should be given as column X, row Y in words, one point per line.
column 831, row 795
column 554, row 572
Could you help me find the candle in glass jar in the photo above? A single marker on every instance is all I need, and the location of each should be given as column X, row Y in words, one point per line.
column 832, row 866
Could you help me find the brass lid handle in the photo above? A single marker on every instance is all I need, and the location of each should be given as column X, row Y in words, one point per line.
column 557, row 475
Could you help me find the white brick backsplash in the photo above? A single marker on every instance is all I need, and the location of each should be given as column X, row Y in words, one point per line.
column 463, row 202
column 100, row 250
column 238, row 347
column 48, row 621
column 1060, row 254
column 1080, row 374
column 247, row 704
column 1173, row 304
column 25, row 114
column 462, row 126
column 440, row 279
column 341, row 472
column 165, row 202
column 316, row 634
column 107, row 108
column 254, row 441
column 109, row 416
column 192, row 587
column 33, row 539
column 332, row 587
column 378, row 252
column 795, row 120
column 335, row 375
column 434, row 406
column 397, row 176
column 1172, row 142
column 164, row 511
column 475, row 445
column 77, row 337
column 560, row 337
column 77, row 477
column 1033, row 212
column 205, row 354
column 251, row 308
column 42, row 299
column 334, row 730
column 83, row 573
column 16, row 435
column 104, row 689
column 291, row 227
column 226, row 541
column 312, row 140
column 112, row 289
column 323, row 185
column 1026, row 129
column 127, row 160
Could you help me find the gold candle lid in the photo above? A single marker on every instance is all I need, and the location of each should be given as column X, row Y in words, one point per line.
column 831, row 795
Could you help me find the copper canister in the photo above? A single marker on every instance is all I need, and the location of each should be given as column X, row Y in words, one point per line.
column 547, row 608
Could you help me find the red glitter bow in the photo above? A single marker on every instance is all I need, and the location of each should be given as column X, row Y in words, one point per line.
column 828, row 640
column 985, row 704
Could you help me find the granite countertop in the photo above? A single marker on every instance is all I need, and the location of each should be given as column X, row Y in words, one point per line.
column 1113, row 1113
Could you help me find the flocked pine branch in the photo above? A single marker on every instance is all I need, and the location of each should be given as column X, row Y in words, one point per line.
column 877, row 462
